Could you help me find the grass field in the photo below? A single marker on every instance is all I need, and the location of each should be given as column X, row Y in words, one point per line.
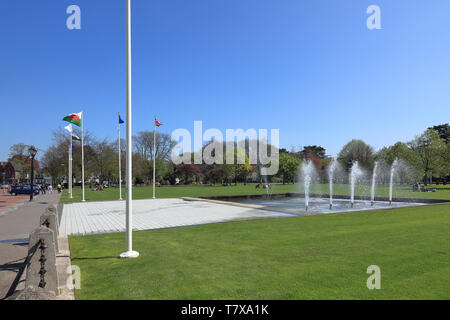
column 315, row 257
column 443, row 192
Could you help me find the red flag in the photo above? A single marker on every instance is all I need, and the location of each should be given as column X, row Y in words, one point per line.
column 157, row 123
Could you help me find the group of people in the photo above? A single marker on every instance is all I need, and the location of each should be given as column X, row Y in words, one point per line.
column 100, row 187
column 47, row 187
column 418, row 188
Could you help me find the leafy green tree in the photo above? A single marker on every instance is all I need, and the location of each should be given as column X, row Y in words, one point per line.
column 240, row 169
column 401, row 151
column 356, row 150
column 288, row 167
column 443, row 130
column 433, row 154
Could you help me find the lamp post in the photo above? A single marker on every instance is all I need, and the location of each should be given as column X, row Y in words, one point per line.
column 32, row 151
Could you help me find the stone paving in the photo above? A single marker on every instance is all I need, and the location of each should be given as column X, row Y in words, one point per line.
column 9, row 202
column 109, row 216
column 15, row 227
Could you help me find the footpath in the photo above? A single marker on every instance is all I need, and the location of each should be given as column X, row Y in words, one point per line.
column 17, row 221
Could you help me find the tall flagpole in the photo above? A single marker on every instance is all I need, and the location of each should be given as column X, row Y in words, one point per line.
column 154, row 155
column 129, row 253
column 82, row 154
column 120, row 171
column 70, row 164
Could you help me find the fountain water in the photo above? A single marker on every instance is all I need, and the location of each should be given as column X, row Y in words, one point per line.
column 267, row 186
column 391, row 180
column 307, row 169
column 354, row 174
column 331, row 169
column 269, row 191
column 374, row 176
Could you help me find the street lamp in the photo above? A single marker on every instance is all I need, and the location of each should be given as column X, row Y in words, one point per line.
column 32, row 151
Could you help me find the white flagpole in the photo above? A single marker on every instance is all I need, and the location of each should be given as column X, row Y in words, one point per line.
column 70, row 164
column 154, row 155
column 82, row 154
column 129, row 209
column 120, row 171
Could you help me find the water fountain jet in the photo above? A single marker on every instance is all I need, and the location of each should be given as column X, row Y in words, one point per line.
column 355, row 172
column 307, row 169
column 331, row 170
column 374, row 176
column 391, row 180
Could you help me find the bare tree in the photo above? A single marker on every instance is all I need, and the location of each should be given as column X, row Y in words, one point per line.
column 143, row 145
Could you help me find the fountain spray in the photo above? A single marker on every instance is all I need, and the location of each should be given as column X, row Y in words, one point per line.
column 307, row 172
column 354, row 173
column 391, row 180
column 374, row 176
column 331, row 169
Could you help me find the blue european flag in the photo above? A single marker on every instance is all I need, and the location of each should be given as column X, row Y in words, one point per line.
column 120, row 120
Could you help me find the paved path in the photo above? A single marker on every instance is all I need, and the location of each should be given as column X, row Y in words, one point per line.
column 109, row 216
column 15, row 227
column 9, row 202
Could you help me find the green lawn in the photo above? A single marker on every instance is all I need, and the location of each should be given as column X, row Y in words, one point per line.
column 443, row 192
column 315, row 257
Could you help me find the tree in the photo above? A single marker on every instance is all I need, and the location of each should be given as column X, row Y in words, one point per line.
column 400, row 151
column 188, row 172
column 244, row 170
column 443, row 130
column 215, row 173
column 141, row 169
column 288, row 167
column 51, row 164
column 18, row 149
column 105, row 161
column 316, row 150
column 240, row 169
column 143, row 144
column 260, row 153
column 18, row 157
column 356, row 150
column 433, row 154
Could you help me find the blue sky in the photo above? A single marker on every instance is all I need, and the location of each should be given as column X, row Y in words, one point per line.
column 309, row 68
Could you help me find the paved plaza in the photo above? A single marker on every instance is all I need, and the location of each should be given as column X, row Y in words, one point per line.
column 109, row 216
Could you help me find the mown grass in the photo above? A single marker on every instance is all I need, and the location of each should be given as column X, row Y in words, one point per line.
column 315, row 257
column 401, row 191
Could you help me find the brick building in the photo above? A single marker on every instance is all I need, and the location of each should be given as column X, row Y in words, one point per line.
column 7, row 172
column 17, row 168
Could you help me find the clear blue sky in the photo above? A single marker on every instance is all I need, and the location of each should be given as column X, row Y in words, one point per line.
column 309, row 68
